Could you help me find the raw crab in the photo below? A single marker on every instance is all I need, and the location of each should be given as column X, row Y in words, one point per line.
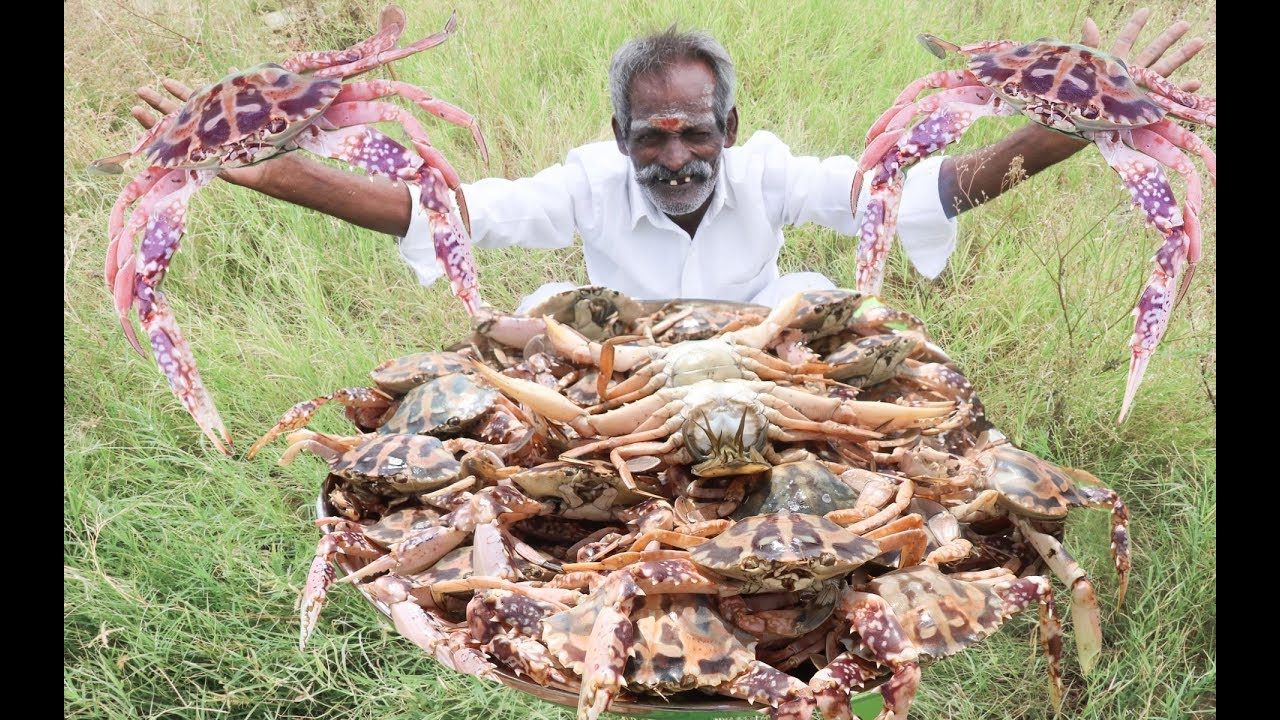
column 248, row 117
column 909, row 615
column 1076, row 90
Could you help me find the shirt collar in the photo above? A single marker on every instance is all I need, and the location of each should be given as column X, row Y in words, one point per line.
column 642, row 206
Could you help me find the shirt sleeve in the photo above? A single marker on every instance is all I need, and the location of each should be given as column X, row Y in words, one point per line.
column 810, row 189
column 533, row 212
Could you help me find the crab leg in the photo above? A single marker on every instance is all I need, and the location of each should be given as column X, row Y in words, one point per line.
column 1176, row 101
column 882, row 635
column 160, row 241
column 299, row 415
column 373, row 89
column 376, row 153
column 1020, row 594
column 1147, row 183
column 452, row 649
column 350, row 540
column 880, row 218
column 1085, row 614
column 934, row 80
column 1148, row 140
column 787, row 697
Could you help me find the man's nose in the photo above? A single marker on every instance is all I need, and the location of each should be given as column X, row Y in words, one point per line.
column 675, row 154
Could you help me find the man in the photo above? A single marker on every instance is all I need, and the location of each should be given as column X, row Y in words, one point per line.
column 673, row 208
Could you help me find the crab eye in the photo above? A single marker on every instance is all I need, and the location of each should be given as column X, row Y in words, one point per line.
column 277, row 126
column 750, row 563
column 827, row 559
column 1089, row 112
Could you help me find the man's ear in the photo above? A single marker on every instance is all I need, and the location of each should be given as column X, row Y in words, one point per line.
column 619, row 138
column 730, row 127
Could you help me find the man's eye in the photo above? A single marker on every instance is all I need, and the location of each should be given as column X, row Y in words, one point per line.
column 699, row 136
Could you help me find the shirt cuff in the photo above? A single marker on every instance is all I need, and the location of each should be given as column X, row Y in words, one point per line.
column 417, row 247
column 927, row 234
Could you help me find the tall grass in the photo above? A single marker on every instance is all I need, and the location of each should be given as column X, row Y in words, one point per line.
column 182, row 568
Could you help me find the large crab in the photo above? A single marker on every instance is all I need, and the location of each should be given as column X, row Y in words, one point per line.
column 251, row 116
column 1076, row 90
column 916, row 613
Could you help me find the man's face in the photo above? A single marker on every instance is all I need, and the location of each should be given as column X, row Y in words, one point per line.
column 673, row 141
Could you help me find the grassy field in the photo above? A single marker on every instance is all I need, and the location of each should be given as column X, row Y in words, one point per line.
column 182, row 568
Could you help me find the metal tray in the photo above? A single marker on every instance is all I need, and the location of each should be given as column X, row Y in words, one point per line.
column 865, row 705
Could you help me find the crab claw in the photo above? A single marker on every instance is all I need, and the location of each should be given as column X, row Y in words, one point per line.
column 173, row 354
column 123, row 294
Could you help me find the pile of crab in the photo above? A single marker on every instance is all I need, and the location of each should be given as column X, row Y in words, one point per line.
column 641, row 502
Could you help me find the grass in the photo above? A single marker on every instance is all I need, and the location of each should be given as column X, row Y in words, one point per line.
column 182, row 568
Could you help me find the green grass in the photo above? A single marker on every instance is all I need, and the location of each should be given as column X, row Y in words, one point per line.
column 182, row 568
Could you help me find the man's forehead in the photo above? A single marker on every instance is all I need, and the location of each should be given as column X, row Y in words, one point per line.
column 673, row 120
column 688, row 87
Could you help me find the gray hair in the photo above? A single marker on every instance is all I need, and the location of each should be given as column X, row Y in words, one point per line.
column 662, row 50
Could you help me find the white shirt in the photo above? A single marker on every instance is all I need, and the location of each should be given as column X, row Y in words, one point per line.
column 631, row 246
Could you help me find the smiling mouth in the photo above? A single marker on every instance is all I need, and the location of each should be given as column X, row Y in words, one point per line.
column 680, row 181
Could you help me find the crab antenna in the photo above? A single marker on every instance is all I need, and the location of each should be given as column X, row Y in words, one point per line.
column 936, row 45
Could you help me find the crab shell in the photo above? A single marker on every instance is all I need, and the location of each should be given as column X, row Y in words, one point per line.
column 870, row 360
column 595, row 311
column 400, row 375
column 1095, row 94
column 805, row 487
column 242, row 119
column 401, row 464
column 1029, row 485
column 826, row 312
column 784, row 551
column 395, row 527
column 446, row 405
column 706, row 319
column 727, row 432
column 680, row 642
column 586, row 481
column 940, row 616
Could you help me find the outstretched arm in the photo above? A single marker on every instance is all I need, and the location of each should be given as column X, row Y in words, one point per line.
column 969, row 180
column 373, row 203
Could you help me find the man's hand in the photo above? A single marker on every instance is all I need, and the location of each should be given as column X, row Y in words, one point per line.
column 979, row 176
column 1151, row 54
column 250, row 177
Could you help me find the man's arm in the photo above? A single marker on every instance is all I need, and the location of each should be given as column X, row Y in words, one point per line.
column 375, row 203
column 969, row 180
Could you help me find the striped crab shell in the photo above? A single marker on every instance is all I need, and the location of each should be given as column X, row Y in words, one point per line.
column 941, row 616
column 589, row 489
column 680, row 642
column 446, row 405
column 1029, row 485
column 784, row 551
column 400, row 375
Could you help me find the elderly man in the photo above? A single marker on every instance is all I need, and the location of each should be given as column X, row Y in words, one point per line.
column 673, row 207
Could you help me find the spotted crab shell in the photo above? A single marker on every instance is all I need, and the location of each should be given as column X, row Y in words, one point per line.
column 1095, row 91
column 244, row 118
column 399, row 463
column 940, row 615
column 1029, row 485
